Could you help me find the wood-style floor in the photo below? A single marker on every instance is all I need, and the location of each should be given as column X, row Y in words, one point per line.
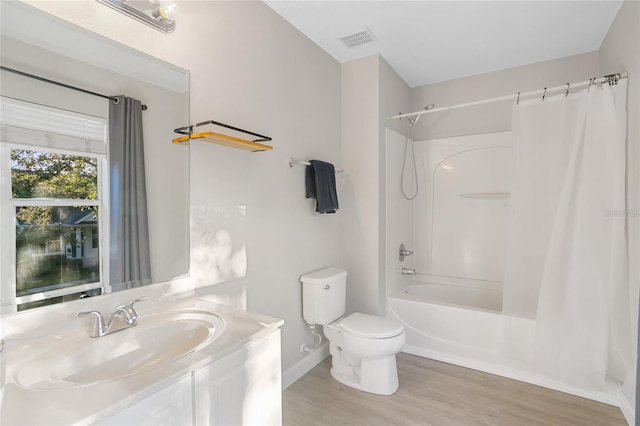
column 436, row 393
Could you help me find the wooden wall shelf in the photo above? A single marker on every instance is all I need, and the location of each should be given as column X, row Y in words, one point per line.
column 225, row 140
column 222, row 139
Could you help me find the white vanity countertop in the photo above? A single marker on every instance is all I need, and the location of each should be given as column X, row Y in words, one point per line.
column 93, row 403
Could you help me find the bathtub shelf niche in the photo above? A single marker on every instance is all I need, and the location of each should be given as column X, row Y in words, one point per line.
column 487, row 195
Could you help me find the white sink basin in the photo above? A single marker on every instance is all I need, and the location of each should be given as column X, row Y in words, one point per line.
column 78, row 360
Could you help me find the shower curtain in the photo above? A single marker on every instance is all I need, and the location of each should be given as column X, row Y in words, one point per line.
column 566, row 264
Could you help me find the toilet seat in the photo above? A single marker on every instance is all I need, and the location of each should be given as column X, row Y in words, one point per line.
column 371, row 326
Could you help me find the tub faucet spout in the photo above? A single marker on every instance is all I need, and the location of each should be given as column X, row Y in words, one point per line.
column 407, row 271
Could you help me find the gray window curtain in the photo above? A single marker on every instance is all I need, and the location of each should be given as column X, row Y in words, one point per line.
column 130, row 264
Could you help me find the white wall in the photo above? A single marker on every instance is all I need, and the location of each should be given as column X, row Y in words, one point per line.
column 494, row 117
column 371, row 91
column 620, row 51
column 395, row 97
column 399, row 213
column 251, row 69
column 360, row 158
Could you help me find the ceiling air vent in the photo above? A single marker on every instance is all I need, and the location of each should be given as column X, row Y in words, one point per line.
column 357, row 39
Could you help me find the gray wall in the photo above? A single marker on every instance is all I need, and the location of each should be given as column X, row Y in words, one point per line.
column 360, row 158
column 371, row 91
column 395, row 97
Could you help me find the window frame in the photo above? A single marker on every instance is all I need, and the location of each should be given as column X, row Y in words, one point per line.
column 8, row 274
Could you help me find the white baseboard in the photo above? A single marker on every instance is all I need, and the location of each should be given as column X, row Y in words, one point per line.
column 301, row 367
column 627, row 408
column 523, row 376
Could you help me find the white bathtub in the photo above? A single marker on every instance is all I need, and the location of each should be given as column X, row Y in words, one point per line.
column 480, row 297
column 464, row 325
column 445, row 321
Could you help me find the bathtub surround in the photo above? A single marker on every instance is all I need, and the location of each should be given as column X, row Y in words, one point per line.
column 460, row 218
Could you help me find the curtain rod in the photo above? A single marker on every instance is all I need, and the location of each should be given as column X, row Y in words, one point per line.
column 57, row 83
column 517, row 96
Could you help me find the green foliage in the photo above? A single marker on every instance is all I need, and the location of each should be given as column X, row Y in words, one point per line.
column 39, row 174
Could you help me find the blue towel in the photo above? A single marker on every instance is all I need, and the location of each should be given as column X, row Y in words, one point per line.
column 320, row 183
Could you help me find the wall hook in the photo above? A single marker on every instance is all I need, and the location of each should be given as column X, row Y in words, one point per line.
column 544, row 94
column 567, row 92
column 518, row 101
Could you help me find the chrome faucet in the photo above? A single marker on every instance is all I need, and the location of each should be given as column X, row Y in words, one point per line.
column 127, row 316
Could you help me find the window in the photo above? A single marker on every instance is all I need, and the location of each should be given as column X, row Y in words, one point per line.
column 52, row 167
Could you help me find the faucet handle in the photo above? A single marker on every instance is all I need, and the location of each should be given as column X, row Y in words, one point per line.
column 99, row 328
column 403, row 252
column 139, row 299
column 131, row 311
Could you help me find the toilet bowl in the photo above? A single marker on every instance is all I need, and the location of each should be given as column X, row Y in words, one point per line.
column 364, row 356
column 363, row 347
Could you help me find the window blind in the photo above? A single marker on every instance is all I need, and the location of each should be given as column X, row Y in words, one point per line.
column 40, row 126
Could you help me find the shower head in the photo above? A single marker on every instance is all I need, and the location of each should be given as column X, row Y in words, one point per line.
column 413, row 120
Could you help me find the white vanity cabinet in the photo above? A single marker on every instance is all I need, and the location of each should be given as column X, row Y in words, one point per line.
column 243, row 388
column 172, row 405
column 221, row 367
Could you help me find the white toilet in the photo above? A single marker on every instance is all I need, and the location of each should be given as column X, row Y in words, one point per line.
column 363, row 347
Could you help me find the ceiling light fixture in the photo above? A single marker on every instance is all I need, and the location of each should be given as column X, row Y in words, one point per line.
column 159, row 14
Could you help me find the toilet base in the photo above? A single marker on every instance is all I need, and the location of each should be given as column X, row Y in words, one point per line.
column 378, row 376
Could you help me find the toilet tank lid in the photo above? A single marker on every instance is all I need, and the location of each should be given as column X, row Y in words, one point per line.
column 323, row 276
column 371, row 326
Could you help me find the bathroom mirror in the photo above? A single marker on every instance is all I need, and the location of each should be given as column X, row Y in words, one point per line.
column 44, row 45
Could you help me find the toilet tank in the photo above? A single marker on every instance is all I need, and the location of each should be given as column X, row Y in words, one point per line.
column 323, row 295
